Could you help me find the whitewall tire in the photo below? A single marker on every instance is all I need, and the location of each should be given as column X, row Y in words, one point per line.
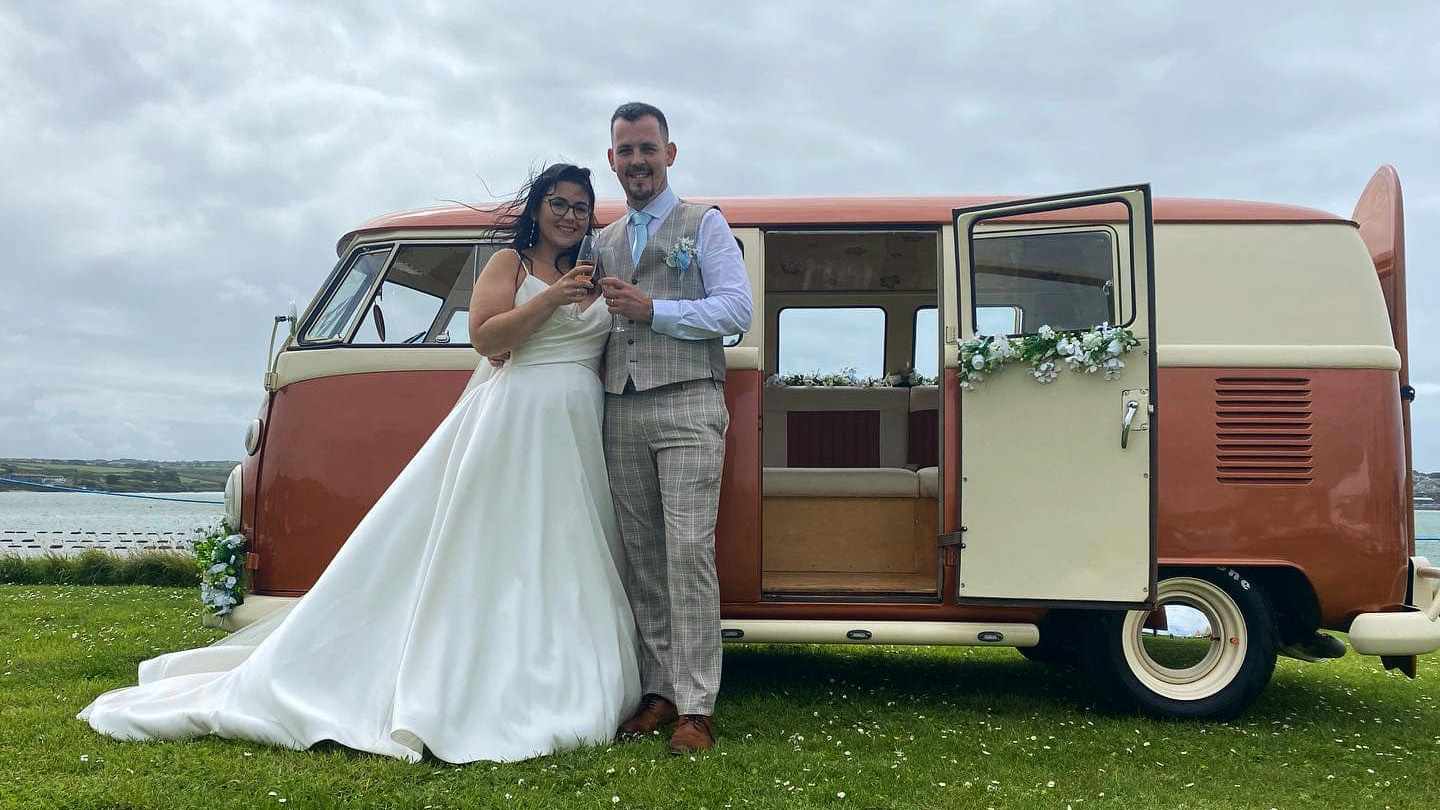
column 1206, row 652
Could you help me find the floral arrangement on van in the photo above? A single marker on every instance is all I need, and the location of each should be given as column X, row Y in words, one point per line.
column 219, row 554
column 1046, row 352
column 904, row 378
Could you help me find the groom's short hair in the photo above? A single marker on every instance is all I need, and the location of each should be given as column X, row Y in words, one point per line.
column 636, row 110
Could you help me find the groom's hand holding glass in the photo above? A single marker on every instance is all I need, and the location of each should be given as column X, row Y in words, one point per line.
column 626, row 300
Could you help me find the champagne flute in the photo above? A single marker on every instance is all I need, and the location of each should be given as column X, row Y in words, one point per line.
column 587, row 259
column 590, row 254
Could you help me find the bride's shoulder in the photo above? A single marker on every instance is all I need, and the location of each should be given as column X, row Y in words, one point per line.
column 505, row 263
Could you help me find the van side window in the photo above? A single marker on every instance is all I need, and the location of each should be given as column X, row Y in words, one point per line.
column 1028, row 280
column 349, row 294
column 425, row 287
column 926, row 358
column 827, row 340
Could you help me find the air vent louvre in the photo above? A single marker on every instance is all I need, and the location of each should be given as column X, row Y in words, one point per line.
column 1263, row 431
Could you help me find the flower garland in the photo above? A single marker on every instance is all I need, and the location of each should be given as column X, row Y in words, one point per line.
column 220, row 557
column 904, row 378
column 1046, row 351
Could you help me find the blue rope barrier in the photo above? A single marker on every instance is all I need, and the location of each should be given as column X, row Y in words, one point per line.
column 103, row 492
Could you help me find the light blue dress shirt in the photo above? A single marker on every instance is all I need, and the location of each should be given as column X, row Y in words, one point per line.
column 726, row 307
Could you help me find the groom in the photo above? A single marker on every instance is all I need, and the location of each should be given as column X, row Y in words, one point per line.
column 676, row 278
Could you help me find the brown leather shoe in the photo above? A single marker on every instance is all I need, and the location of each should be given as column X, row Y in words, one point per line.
column 694, row 732
column 655, row 713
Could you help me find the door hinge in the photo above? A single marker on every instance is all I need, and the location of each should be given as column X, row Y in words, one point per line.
column 252, row 561
column 951, row 539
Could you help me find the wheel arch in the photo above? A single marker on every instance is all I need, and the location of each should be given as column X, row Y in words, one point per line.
column 1286, row 587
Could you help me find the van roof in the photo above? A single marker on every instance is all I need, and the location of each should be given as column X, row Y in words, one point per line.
column 831, row 211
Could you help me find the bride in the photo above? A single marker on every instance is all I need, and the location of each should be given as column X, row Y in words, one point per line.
column 477, row 611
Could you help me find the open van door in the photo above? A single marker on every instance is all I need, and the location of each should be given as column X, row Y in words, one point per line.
column 1056, row 479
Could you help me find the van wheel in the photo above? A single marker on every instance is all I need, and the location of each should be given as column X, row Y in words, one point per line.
column 1204, row 653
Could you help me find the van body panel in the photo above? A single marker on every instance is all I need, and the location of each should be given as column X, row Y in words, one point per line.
column 333, row 445
column 299, row 365
column 1302, row 465
column 737, row 526
column 249, row 486
column 1262, row 285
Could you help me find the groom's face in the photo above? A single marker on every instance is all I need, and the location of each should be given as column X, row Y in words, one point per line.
column 639, row 155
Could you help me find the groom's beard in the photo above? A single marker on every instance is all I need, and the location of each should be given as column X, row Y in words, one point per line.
column 634, row 183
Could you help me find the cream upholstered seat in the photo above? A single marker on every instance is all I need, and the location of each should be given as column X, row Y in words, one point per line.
column 925, row 398
column 929, row 479
column 840, row 482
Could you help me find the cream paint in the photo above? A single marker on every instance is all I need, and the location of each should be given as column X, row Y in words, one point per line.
column 786, row 631
column 296, row 365
column 1086, row 535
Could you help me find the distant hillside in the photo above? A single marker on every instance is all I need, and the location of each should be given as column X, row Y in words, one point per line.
column 1427, row 485
column 120, row 475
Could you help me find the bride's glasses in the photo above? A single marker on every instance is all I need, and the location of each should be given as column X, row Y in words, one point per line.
column 559, row 206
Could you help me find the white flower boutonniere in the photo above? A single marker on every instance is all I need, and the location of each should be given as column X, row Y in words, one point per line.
column 680, row 254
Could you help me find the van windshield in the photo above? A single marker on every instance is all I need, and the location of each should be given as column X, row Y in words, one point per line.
column 421, row 298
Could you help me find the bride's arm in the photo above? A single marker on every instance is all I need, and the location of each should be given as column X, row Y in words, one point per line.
column 496, row 324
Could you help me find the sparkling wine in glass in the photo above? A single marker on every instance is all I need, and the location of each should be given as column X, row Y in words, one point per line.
column 587, row 260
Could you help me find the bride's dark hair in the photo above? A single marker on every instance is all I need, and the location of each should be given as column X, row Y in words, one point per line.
column 515, row 220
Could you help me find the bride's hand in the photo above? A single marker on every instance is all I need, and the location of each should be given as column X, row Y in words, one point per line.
column 573, row 287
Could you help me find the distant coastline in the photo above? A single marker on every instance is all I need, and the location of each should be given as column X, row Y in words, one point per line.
column 115, row 475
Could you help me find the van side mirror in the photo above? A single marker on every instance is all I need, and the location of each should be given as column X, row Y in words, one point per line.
column 271, row 357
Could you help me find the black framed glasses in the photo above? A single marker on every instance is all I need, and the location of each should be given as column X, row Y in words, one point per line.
column 560, row 206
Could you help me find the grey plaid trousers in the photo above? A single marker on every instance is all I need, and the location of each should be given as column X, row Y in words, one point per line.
column 665, row 449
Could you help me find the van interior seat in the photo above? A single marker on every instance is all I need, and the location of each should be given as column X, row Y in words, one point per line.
column 923, row 427
column 924, row 398
column 839, row 426
column 840, row 482
column 929, row 479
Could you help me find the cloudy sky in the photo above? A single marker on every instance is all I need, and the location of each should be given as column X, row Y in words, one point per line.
column 173, row 173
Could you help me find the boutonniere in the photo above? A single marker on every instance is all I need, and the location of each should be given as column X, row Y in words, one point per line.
column 680, row 254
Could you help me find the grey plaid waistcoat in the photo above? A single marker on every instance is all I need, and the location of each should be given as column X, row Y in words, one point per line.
column 640, row 353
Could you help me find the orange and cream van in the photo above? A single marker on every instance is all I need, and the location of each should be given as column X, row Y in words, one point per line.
column 1232, row 486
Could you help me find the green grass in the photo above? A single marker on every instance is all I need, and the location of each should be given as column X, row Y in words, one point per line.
column 96, row 567
column 887, row 727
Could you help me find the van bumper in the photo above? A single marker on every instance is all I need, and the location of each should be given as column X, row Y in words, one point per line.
column 1414, row 631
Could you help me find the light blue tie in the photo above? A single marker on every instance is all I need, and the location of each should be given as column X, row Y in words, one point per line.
column 641, row 221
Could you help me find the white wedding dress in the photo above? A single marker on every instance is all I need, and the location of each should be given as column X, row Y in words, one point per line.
column 476, row 612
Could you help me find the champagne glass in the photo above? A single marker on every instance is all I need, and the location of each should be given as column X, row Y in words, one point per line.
column 590, row 254
column 587, row 260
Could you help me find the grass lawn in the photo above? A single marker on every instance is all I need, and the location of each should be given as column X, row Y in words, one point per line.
column 802, row 726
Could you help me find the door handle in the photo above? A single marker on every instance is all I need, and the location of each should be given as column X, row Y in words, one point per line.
column 1131, row 408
